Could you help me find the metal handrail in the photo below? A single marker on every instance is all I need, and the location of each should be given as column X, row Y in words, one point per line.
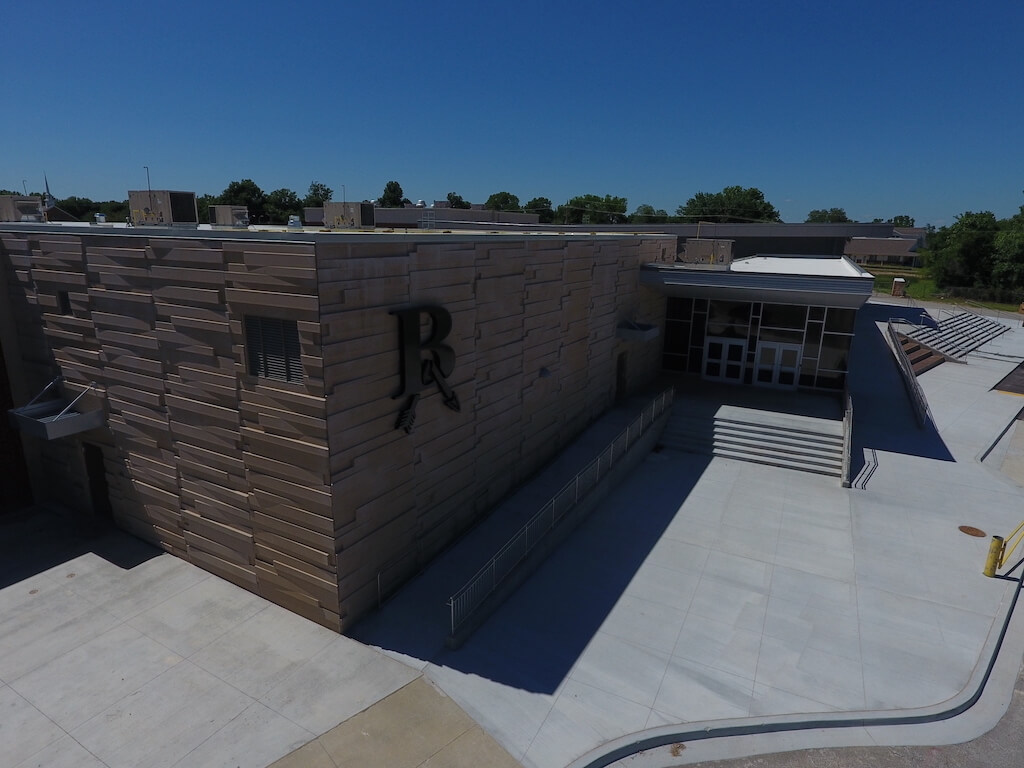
column 917, row 398
column 971, row 303
column 486, row 580
column 847, row 440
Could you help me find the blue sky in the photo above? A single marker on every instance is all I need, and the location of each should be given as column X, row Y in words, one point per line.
column 881, row 108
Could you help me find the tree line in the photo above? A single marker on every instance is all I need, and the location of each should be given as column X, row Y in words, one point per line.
column 979, row 257
column 734, row 204
column 265, row 207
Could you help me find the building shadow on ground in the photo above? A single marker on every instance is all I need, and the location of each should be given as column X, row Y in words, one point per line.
column 37, row 538
column 532, row 641
column 884, row 417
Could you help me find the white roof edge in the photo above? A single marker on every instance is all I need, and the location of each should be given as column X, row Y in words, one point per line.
column 800, row 264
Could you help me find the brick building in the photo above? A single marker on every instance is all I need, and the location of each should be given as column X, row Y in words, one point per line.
column 311, row 415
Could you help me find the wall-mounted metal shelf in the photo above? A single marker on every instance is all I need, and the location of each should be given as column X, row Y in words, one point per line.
column 53, row 419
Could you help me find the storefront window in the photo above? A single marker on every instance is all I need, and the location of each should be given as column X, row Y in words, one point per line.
column 679, row 308
column 783, row 316
column 835, row 351
column 840, row 320
column 782, row 337
column 728, row 318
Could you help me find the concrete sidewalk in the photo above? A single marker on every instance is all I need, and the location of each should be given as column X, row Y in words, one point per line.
column 115, row 654
column 713, row 590
column 703, row 590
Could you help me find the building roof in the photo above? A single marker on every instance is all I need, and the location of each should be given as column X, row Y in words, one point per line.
column 881, row 246
column 809, row 266
column 282, row 232
column 778, row 279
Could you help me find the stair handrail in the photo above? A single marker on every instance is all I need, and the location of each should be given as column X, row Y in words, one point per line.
column 914, row 391
column 847, row 440
column 965, row 347
column 970, row 303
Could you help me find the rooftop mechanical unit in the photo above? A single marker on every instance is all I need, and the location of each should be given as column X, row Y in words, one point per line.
column 163, row 208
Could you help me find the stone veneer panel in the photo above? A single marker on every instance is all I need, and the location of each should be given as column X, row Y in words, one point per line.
column 533, row 330
column 306, row 493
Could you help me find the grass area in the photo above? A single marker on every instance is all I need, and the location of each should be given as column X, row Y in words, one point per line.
column 921, row 286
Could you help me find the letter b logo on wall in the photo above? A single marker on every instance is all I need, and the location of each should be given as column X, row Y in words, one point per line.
column 424, row 361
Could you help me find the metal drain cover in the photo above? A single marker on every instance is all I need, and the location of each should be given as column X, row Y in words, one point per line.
column 970, row 530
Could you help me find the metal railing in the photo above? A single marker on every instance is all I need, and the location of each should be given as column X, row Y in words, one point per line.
column 917, row 398
column 971, row 306
column 486, row 580
column 847, row 440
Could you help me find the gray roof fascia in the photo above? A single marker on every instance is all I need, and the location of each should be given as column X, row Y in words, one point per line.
column 756, row 286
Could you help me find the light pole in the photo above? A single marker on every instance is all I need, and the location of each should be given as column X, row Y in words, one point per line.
column 149, row 189
column 24, row 188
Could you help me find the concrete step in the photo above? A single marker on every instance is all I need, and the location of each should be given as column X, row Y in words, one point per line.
column 763, row 437
column 959, row 334
column 821, row 453
column 917, row 353
column 789, row 439
column 775, row 460
column 960, row 320
column 926, row 364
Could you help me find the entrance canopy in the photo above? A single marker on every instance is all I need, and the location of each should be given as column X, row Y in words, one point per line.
column 778, row 279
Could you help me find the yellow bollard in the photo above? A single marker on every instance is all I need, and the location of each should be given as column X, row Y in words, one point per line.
column 995, row 555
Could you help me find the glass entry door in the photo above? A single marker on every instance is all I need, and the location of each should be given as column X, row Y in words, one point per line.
column 777, row 365
column 724, row 358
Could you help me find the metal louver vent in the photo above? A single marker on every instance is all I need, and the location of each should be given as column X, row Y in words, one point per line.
column 273, row 348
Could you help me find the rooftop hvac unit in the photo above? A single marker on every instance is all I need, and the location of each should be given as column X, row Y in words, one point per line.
column 709, row 254
column 349, row 215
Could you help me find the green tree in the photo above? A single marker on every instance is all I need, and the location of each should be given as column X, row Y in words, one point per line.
column 317, row 195
column 732, row 204
column 962, row 254
column 203, row 203
column 456, row 201
column 1008, row 259
column 282, row 203
column 542, row 207
column 115, row 210
column 502, row 201
column 593, row 209
column 828, row 216
column 393, row 196
column 82, row 208
column 246, row 192
column 647, row 214
column 1008, row 256
column 902, row 221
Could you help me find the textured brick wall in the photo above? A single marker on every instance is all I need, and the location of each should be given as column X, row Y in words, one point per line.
column 534, row 336
column 305, row 492
column 221, row 468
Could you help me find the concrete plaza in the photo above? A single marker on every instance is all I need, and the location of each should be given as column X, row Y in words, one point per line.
column 701, row 592
column 709, row 589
